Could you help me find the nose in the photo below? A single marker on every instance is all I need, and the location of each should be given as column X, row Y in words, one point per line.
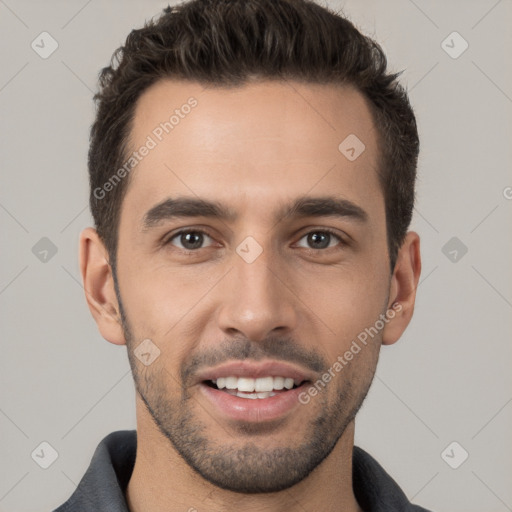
column 257, row 299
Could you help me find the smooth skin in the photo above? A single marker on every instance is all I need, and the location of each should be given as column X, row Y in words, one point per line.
column 254, row 150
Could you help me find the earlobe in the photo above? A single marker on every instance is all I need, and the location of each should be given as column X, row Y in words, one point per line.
column 402, row 294
column 99, row 286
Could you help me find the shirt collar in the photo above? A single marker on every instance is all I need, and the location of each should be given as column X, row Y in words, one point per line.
column 104, row 484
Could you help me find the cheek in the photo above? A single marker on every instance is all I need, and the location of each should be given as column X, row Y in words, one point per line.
column 347, row 302
column 155, row 299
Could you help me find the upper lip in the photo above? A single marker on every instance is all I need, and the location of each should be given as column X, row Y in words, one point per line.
column 254, row 370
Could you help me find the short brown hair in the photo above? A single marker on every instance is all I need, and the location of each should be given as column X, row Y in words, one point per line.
column 233, row 42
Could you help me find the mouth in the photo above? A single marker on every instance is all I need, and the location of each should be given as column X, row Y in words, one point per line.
column 253, row 391
column 254, row 388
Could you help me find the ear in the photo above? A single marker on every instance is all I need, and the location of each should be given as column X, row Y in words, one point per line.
column 99, row 286
column 402, row 293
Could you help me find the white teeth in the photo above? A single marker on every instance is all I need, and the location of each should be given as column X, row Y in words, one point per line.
column 253, row 396
column 264, row 384
column 288, row 383
column 247, row 385
column 262, row 394
column 231, row 382
column 278, row 383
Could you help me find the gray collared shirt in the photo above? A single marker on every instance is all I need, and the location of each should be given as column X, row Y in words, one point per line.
column 103, row 487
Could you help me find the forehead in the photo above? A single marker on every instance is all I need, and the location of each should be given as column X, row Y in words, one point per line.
column 253, row 144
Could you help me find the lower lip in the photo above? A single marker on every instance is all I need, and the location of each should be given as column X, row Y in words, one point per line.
column 253, row 410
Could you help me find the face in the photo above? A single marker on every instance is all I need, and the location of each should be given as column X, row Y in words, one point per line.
column 252, row 253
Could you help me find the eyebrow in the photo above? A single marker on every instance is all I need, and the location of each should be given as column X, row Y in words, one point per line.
column 304, row 206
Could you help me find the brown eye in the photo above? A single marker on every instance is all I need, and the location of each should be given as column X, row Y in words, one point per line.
column 321, row 239
column 189, row 240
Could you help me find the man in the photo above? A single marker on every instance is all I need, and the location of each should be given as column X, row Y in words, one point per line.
column 252, row 168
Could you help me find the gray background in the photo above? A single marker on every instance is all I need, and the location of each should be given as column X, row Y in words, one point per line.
column 448, row 378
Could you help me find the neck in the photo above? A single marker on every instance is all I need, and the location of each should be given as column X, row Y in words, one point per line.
column 163, row 481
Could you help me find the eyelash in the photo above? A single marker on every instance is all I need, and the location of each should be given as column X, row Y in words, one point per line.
column 331, row 232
